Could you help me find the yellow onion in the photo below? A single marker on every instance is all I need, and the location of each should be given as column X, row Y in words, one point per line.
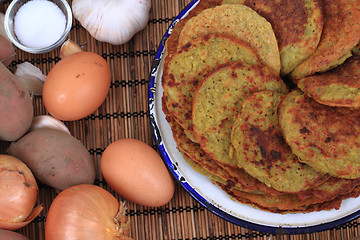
column 86, row 212
column 18, row 194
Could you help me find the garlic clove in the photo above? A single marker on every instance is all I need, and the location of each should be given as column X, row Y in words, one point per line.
column 112, row 21
column 69, row 47
column 31, row 77
column 46, row 121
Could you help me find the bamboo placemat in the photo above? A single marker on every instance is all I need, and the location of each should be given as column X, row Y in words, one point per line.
column 125, row 114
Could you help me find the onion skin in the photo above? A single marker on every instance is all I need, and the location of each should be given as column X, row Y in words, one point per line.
column 86, row 212
column 10, row 235
column 18, row 194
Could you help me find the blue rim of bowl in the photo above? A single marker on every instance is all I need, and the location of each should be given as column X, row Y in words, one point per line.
column 193, row 193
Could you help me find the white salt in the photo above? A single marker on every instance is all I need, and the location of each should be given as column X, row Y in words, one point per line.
column 39, row 23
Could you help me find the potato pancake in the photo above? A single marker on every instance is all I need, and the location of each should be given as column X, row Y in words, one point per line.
column 297, row 26
column 239, row 21
column 184, row 71
column 218, row 100
column 340, row 34
column 260, row 148
column 326, row 138
column 339, row 87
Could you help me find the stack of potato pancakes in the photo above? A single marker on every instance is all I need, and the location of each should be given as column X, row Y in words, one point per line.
column 263, row 97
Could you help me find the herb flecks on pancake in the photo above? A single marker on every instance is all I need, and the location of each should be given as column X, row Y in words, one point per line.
column 218, row 100
column 239, row 21
column 339, row 87
column 326, row 138
column 191, row 64
column 259, row 146
column 297, row 26
column 340, row 34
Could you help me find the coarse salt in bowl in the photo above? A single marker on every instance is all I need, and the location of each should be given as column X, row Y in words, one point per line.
column 38, row 26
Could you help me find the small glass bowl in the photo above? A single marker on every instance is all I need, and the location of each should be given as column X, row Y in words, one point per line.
column 9, row 25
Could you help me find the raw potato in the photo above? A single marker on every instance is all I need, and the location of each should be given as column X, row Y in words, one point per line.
column 7, row 52
column 56, row 158
column 16, row 109
column 10, row 235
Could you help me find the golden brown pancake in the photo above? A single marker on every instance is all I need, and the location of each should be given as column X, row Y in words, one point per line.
column 339, row 87
column 326, row 138
column 259, row 146
column 218, row 100
column 197, row 158
column 172, row 41
column 239, row 21
column 288, row 203
column 340, row 34
column 297, row 26
column 188, row 67
column 246, row 189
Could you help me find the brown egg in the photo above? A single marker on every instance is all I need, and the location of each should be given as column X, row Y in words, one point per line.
column 76, row 86
column 136, row 172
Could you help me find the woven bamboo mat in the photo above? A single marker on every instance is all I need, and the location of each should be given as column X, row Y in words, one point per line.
column 125, row 114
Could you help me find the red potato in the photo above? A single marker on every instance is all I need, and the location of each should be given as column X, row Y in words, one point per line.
column 10, row 235
column 56, row 158
column 7, row 51
column 16, row 109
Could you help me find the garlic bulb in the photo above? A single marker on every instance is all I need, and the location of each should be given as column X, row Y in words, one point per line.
column 112, row 21
column 46, row 121
column 31, row 77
